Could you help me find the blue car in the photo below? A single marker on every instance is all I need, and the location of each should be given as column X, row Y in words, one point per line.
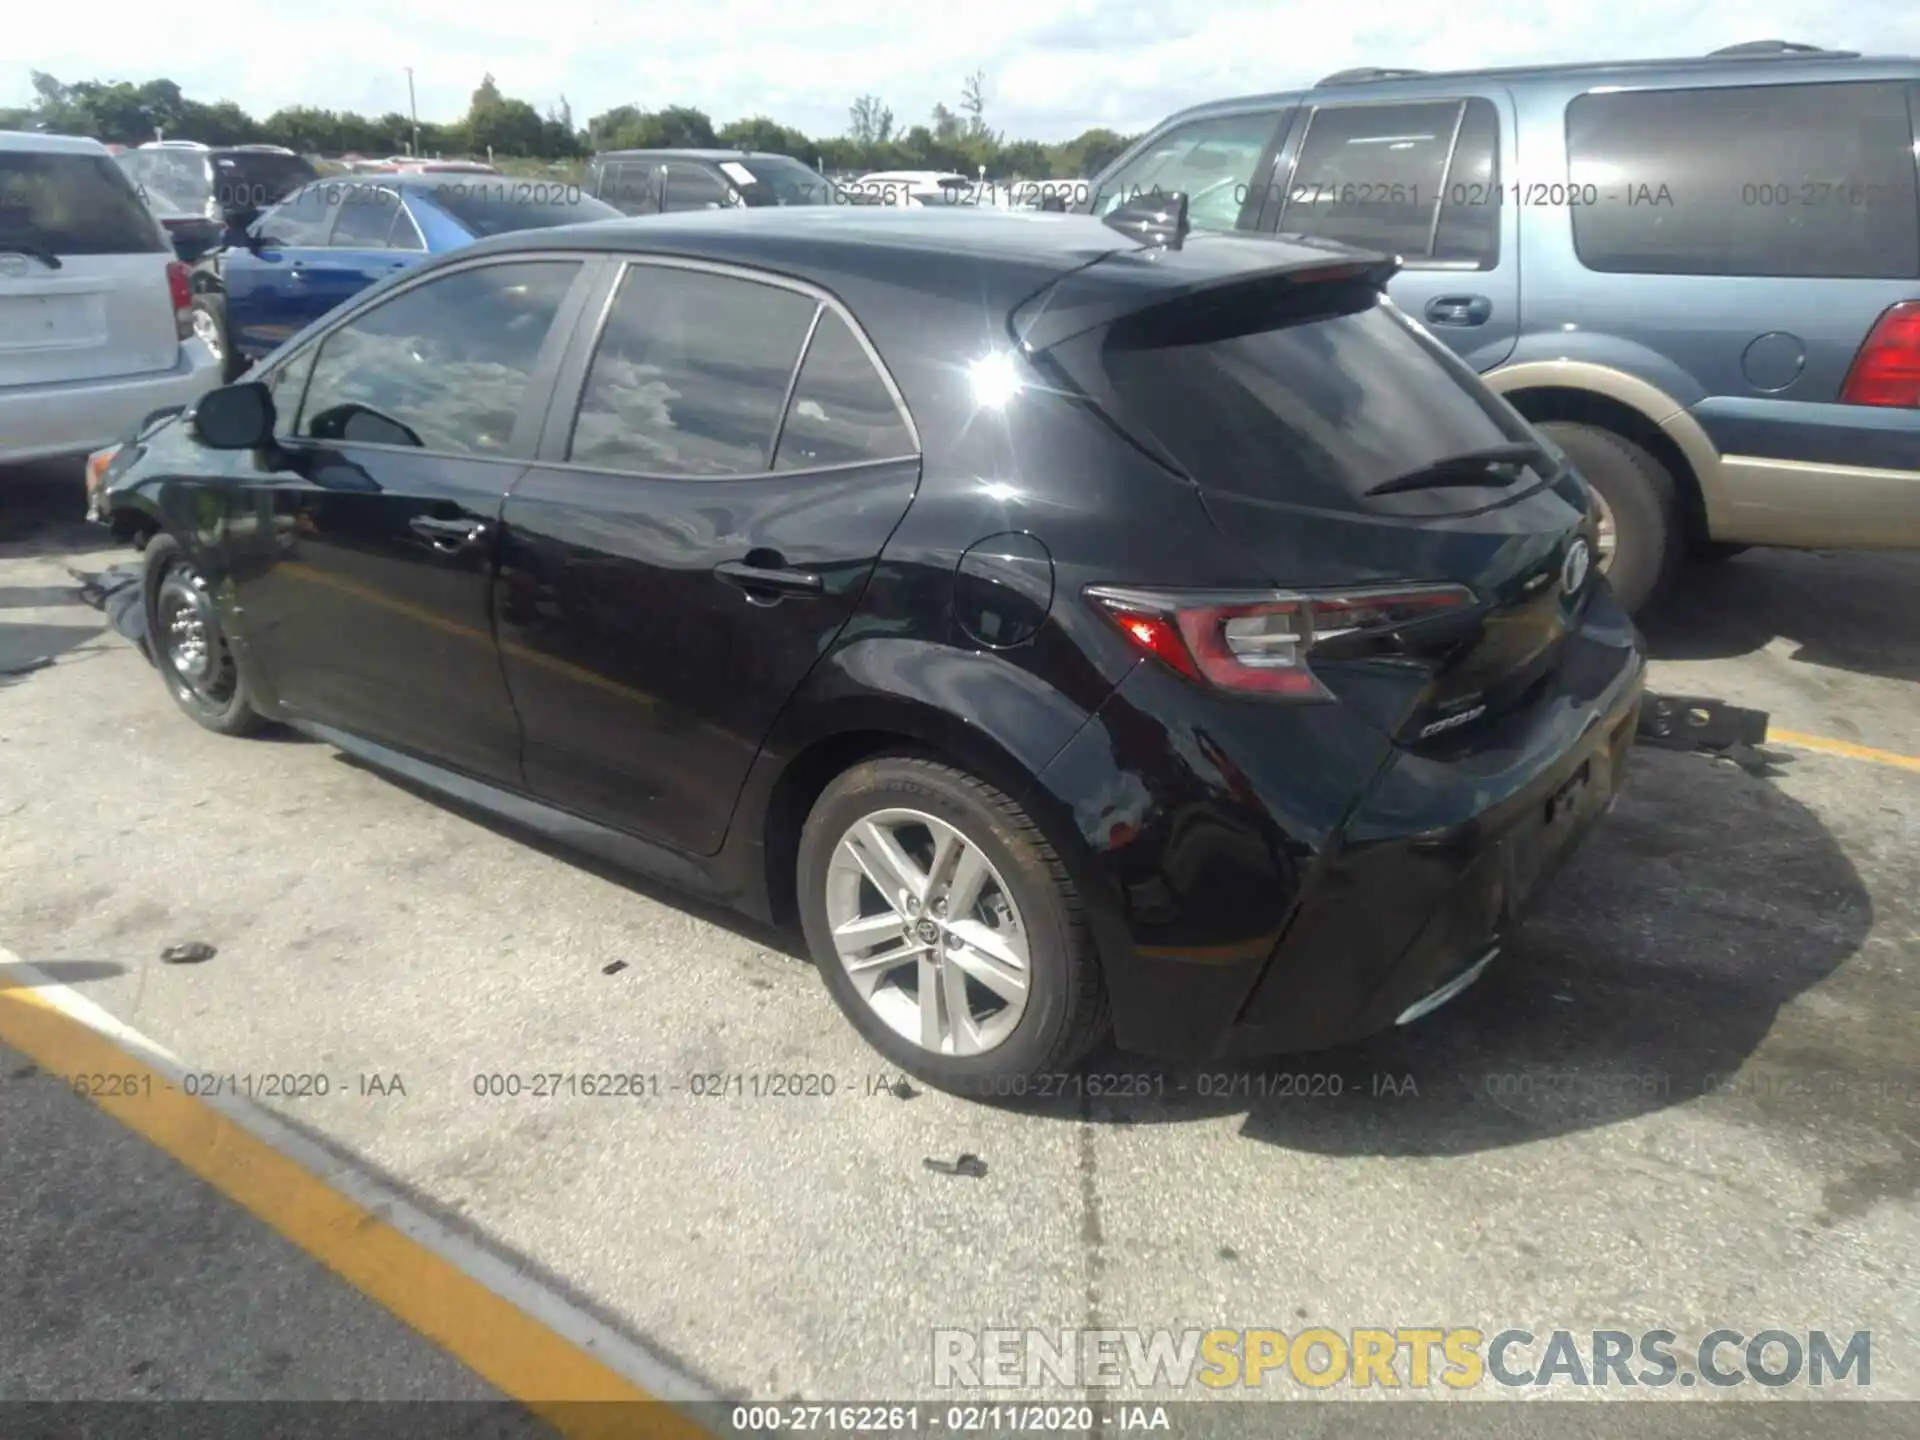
column 278, row 272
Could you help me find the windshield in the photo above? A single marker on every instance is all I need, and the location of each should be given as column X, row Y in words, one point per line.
column 71, row 205
column 778, row 180
column 497, row 207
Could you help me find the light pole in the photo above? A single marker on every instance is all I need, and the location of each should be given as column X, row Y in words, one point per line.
column 413, row 115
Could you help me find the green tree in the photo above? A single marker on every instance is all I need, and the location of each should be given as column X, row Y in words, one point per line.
column 872, row 121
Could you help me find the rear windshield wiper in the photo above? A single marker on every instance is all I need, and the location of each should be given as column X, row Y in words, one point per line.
column 1470, row 467
column 38, row 252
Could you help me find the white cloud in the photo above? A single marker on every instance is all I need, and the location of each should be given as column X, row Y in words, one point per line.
column 1055, row 67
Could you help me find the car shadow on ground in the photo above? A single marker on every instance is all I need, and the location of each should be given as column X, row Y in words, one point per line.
column 1707, row 901
column 1848, row 611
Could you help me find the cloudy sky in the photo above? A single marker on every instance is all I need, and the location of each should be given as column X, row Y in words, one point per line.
column 1055, row 67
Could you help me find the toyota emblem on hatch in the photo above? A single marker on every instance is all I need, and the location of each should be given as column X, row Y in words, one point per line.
column 1573, row 569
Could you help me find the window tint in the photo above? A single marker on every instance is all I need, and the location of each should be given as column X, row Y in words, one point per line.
column 444, row 365
column 253, row 180
column 366, row 218
column 694, row 187
column 72, row 205
column 841, row 412
column 1314, row 409
column 690, row 374
column 630, row 186
column 1375, row 175
column 302, row 221
column 1803, row 180
column 1213, row 161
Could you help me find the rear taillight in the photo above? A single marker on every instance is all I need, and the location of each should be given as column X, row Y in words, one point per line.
column 1887, row 369
column 1260, row 644
column 180, row 291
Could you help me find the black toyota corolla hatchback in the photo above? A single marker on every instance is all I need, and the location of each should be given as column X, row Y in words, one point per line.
column 1073, row 625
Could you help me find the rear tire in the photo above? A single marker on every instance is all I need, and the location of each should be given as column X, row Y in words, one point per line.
column 1641, row 495
column 189, row 648
column 210, row 324
column 1002, row 904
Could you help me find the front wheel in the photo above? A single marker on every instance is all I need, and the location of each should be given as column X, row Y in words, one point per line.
column 189, row 647
column 946, row 927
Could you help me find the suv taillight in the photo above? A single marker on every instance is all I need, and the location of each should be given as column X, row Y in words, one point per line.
column 180, row 291
column 1259, row 643
column 1887, row 369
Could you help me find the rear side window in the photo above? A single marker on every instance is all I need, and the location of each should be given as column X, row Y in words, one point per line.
column 72, row 204
column 1311, row 408
column 1419, row 181
column 842, row 412
column 629, row 185
column 1213, row 161
column 690, row 374
column 1775, row 180
column 443, row 366
column 694, row 187
column 253, row 180
column 496, row 207
column 367, row 215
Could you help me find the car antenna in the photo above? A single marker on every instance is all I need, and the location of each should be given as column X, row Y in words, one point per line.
column 1157, row 219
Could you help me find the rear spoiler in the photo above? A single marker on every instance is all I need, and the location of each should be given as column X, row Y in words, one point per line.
column 1146, row 281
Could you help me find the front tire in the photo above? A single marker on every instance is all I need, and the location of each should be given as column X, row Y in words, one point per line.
column 946, row 928
column 1641, row 503
column 189, row 648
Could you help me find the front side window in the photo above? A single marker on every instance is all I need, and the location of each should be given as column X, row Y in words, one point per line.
column 300, row 223
column 690, row 374
column 1786, row 180
column 443, row 366
column 694, row 187
column 1213, row 161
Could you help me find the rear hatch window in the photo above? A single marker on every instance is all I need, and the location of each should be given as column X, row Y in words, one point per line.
column 1319, row 402
column 497, row 207
column 71, row 205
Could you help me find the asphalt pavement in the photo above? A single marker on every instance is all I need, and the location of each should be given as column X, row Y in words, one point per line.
column 1688, row 1100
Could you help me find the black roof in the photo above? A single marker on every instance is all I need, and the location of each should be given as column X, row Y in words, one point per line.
column 930, row 283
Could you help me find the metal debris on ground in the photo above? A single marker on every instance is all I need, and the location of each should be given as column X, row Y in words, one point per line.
column 1696, row 722
column 117, row 591
column 613, row 968
column 971, row 1166
column 192, row 952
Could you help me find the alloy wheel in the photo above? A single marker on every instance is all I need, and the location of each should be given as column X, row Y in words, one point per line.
column 928, row 932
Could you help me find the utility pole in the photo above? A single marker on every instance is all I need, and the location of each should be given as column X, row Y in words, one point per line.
column 412, row 114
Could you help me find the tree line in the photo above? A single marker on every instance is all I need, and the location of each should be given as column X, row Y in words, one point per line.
column 952, row 138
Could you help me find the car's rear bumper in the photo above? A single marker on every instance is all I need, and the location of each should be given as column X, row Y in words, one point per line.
column 72, row 417
column 1327, row 882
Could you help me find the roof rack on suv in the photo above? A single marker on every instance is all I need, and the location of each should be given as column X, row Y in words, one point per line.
column 175, row 145
column 1750, row 49
column 1362, row 73
column 263, row 149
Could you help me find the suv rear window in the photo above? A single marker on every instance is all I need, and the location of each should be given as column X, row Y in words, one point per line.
column 1310, row 408
column 72, row 205
column 1775, row 180
column 257, row 179
column 495, row 207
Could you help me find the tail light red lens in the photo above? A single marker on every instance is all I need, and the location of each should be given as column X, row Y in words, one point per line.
column 1260, row 644
column 180, row 290
column 1887, row 369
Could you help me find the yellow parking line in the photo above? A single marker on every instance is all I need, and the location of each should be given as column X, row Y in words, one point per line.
column 576, row 1393
column 1845, row 748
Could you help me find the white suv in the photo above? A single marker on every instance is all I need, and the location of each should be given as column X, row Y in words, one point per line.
column 95, row 312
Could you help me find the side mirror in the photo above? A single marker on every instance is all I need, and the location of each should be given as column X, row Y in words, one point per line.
column 235, row 417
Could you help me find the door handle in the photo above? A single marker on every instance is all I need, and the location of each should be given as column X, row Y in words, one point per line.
column 1459, row 310
column 449, row 537
column 768, row 584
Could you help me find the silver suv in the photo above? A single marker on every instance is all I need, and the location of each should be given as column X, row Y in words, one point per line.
column 95, row 310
